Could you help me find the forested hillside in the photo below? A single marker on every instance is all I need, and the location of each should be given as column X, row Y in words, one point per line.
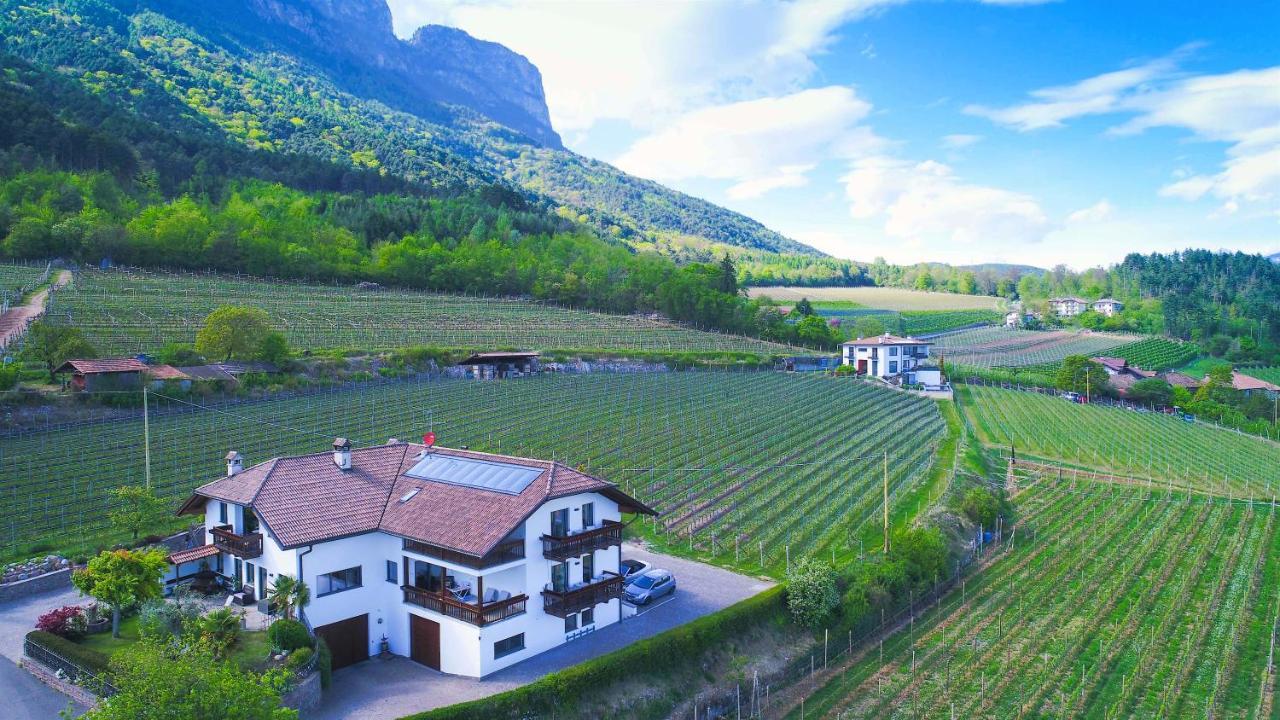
column 331, row 81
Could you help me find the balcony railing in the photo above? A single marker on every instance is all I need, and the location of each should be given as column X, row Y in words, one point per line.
column 563, row 548
column 479, row 615
column 503, row 553
column 572, row 600
column 245, row 546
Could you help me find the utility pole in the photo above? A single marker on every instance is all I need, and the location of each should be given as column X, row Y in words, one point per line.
column 886, row 502
column 146, row 438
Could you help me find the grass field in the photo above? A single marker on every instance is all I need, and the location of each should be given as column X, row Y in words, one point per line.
column 126, row 312
column 1007, row 347
column 741, row 465
column 1110, row 602
column 882, row 298
column 1200, row 367
column 1146, row 445
column 1157, row 353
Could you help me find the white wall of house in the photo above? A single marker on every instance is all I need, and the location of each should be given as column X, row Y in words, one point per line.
column 465, row 648
column 885, row 361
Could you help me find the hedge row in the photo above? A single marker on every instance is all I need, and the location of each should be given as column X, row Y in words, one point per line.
column 86, row 658
column 669, row 652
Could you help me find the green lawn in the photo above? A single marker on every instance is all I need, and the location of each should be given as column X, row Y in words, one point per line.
column 1201, row 367
column 250, row 652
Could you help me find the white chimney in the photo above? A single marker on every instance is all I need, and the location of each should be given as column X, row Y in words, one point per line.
column 235, row 463
column 342, row 453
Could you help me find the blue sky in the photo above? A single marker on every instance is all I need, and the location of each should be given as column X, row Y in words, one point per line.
column 951, row 130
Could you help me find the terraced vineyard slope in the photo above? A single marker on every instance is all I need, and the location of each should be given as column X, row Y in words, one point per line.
column 883, row 297
column 741, row 465
column 1157, row 353
column 16, row 279
column 1111, row 602
column 127, row 312
column 1144, row 445
column 909, row 322
column 1006, row 347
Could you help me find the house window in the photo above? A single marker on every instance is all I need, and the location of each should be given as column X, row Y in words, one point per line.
column 588, row 617
column 560, row 576
column 428, row 577
column 393, row 572
column 893, row 352
column 222, row 513
column 570, row 623
column 560, row 523
column 893, row 367
column 248, row 573
column 513, row 644
column 588, row 567
column 588, row 514
column 336, row 582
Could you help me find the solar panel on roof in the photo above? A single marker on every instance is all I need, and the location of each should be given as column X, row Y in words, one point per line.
column 482, row 474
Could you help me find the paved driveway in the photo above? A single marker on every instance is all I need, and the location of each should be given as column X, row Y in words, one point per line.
column 30, row 698
column 398, row 686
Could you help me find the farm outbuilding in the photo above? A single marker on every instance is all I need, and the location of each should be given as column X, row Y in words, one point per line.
column 491, row 365
column 102, row 375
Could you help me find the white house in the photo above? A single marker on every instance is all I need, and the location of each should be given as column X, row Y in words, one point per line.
column 1012, row 319
column 466, row 562
column 1107, row 306
column 1068, row 306
column 886, row 356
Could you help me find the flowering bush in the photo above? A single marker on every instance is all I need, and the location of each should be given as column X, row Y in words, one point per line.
column 67, row 622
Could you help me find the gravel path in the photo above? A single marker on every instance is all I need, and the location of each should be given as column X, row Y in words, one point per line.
column 14, row 322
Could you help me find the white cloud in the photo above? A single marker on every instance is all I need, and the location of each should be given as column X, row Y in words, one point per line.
column 926, row 203
column 759, row 145
column 955, row 142
column 645, row 62
column 1095, row 213
column 1241, row 108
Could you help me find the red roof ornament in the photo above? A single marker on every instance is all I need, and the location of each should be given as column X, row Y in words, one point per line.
column 429, row 439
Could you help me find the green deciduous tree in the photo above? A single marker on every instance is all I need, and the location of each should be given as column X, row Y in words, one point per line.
column 159, row 680
column 122, row 578
column 811, row 592
column 274, row 348
column 868, row 326
column 804, row 308
column 233, row 331
column 51, row 345
column 1151, row 391
column 135, row 508
column 1081, row 375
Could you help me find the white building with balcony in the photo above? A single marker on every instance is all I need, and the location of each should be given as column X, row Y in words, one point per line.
column 887, row 356
column 466, row 562
column 1068, row 306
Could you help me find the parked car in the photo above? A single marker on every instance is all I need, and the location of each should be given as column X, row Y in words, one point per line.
column 650, row 586
column 631, row 570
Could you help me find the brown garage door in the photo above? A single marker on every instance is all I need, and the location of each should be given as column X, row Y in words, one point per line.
column 424, row 641
column 348, row 640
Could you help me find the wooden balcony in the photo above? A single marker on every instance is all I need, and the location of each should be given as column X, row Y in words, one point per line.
column 577, row 599
column 478, row 615
column 509, row 551
column 244, row 546
column 563, row 548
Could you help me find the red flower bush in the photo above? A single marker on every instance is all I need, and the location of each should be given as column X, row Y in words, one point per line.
column 67, row 621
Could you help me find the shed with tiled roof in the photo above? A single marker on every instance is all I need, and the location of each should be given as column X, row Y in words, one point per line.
column 103, row 375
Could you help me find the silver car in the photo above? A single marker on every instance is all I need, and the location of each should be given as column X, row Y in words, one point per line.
column 650, row 586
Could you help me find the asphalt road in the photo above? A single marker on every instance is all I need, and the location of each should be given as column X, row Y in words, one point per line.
column 392, row 688
column 21, row 695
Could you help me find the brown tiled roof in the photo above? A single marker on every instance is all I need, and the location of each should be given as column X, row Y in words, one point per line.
column 1181, row 380
column 109, row 365
column 887, row 339
column 1112, row 363
column 166, row 372
column 308, row 499
column 195, row 553
column 1240, row 381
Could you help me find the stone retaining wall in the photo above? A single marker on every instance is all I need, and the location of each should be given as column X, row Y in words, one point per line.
column 57, row 580
column 304, row 698
column 66, row 687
